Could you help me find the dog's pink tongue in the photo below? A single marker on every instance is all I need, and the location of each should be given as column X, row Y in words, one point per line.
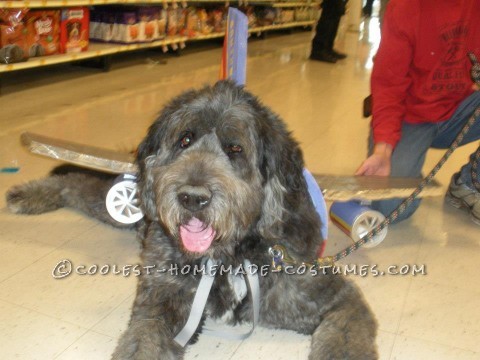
column 196, row 237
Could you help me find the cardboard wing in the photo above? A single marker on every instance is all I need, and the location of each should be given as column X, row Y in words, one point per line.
column 334, row 188
column 82, row 155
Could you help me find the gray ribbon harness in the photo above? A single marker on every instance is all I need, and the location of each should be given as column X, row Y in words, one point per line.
column 201, row 297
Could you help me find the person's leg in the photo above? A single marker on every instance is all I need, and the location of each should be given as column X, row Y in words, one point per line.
column 449, row 130
column 461, row 191
column 334, row 23
column 407, row 161
column 367, row 9
column 321, row 41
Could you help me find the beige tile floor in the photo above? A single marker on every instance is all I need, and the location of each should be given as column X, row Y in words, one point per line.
column 436, row 316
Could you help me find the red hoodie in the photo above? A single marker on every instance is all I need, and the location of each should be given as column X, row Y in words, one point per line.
column 421, row 72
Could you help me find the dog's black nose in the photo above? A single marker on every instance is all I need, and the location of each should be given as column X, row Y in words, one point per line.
column 194, row 198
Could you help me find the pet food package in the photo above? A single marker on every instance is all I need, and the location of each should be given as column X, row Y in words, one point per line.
column 161, row 17
column 172, row 22
column 109, row 30
column 251, row 16
column 204, row 25
column 102, row 24
column 96, row 25
column 43, row 32
column 267, row 16
column 74, row 30
column 191, row 23
column 126, row 28
column 286, row 16
column 217, row 19
column 12, row 17
column 147, row 24
column 182, row 18
column 13, row 44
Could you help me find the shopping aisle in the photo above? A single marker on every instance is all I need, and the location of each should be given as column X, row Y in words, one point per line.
column 435, row 316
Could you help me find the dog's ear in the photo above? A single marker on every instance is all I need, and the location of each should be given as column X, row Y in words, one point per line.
column 146, row 152
column 281, row 165
column 288, row 214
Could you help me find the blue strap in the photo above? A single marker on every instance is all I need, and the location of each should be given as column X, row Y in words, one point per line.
column 318, row 201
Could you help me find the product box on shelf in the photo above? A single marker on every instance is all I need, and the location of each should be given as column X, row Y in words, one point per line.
column 267, row 16
column 147, row 24
column 126, row 28
column 305, row 14
column 161, row 16
column 43, row 32
column 217, row 19
column 109, row 28
column 13, row 44
column 74, row 30
column 287, row 16
column 95, row 25
column 172, row 21
column 102, row 23
column 197, row 23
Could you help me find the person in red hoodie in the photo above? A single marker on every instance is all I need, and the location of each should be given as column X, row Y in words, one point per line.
column 423, row 93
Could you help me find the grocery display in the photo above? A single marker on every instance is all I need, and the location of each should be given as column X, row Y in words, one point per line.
column 29, row 36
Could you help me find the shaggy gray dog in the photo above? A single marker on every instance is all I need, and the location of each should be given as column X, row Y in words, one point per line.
column 220, row 177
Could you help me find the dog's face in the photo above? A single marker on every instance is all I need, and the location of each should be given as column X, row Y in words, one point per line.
column 216, row 166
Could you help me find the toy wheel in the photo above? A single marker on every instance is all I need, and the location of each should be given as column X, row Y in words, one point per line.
column 122, row 202
column 367, row 222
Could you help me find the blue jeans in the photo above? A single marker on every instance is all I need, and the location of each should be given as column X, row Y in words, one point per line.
column 409, row 154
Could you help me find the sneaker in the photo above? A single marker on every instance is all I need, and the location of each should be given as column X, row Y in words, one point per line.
column 461, row 196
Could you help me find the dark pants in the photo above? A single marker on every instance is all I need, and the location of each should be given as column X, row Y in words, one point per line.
column 326, row 32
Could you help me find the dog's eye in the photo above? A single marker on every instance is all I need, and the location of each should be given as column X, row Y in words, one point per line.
column 234, row 149
column 186, row 140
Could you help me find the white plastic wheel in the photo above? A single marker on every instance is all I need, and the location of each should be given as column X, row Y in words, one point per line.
column 122, row 202
column 368, row 221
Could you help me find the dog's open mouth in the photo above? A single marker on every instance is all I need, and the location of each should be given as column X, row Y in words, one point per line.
column 196, row 236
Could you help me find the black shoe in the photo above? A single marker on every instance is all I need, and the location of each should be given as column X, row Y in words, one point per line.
column 338, row 55
column 325, row 57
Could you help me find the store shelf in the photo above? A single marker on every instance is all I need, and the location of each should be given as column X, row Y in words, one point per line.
column 257, row 30
column 35, row 4
column 295, row 4
column 282, row 26
column 66, row 3
column 95, row 50
column 98, row 49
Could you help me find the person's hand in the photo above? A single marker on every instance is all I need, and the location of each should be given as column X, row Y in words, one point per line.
column 379, row 163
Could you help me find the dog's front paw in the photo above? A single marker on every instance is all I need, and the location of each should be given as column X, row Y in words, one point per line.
column 147, row 340
column 35, row 197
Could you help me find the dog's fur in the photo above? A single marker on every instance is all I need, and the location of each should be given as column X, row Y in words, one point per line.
column 222, row 143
